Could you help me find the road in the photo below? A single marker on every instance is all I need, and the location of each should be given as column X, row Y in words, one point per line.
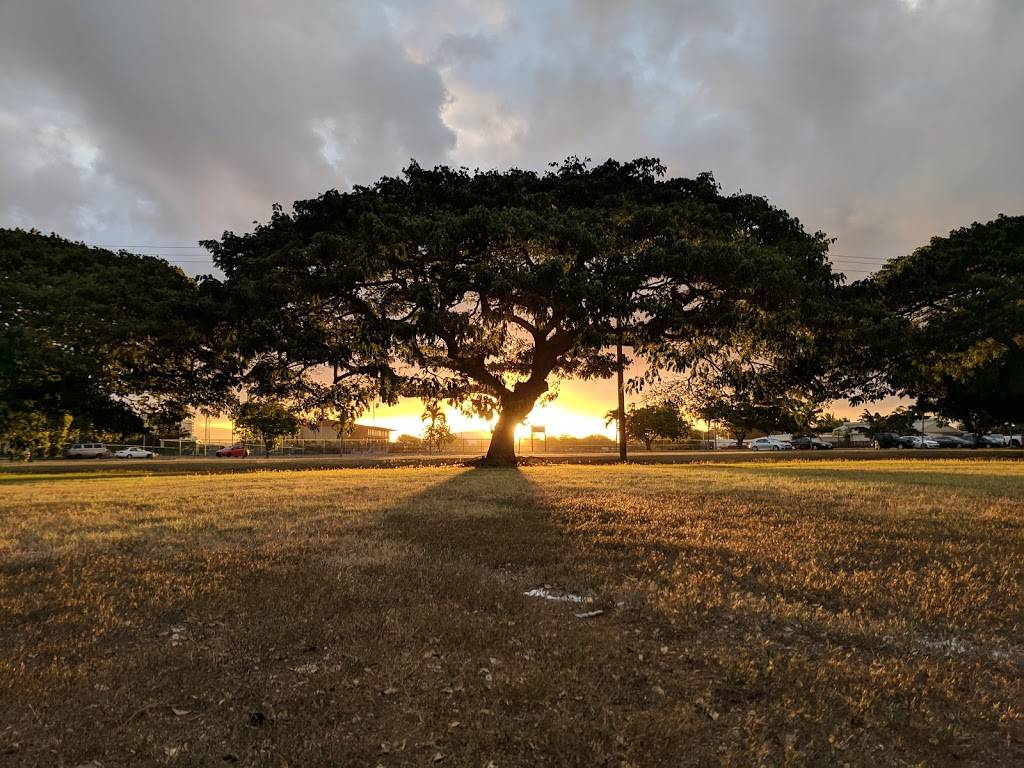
column 204, row 465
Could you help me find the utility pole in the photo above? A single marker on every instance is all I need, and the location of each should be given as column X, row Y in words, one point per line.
column 619, row 374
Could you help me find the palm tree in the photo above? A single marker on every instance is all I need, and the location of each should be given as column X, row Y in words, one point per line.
column 433, row 412
column 437, row 434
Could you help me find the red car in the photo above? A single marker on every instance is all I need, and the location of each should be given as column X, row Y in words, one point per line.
column 232, row 452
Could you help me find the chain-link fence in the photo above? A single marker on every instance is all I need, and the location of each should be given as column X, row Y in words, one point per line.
column 290, row 447
column 468, row 446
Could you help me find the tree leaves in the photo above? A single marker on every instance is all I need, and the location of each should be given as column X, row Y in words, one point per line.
column 480, row 287
column 951, row 320
column 110, row 338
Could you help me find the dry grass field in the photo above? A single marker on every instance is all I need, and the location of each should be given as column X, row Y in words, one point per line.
column 790, row 613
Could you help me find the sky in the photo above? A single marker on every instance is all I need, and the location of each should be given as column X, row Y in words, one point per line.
column 151, row 125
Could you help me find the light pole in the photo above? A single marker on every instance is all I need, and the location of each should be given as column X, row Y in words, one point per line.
column 619, row 376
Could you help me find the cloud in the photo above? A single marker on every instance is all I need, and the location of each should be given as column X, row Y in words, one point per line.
column 882, row 122
column 198, row 116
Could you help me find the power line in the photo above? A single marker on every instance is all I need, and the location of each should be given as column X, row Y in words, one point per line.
column 859, row 259
column 154, row 247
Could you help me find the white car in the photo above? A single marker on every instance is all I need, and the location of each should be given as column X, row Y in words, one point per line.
column 86, row 451
column 918, row 442
column 134, row 452
column 768, row 444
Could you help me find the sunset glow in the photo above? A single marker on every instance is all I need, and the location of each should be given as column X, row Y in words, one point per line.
column 578, row 411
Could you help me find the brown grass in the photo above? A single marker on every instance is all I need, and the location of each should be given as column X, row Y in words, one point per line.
column 834, row 613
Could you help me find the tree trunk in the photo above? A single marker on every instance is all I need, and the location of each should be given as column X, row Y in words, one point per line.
column 621, row 392
column 502, row 450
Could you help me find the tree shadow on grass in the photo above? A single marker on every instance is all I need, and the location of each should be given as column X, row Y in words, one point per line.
column 485, row 533
column 553, row 687
column 491, row 515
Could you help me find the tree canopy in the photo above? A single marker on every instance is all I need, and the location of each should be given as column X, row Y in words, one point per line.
column 483, row 289
column 951, row 325
column 480, row 288
column 266, row 421
column 901, row 421
column 107, row 338
column 649, row 423
column 740, row 399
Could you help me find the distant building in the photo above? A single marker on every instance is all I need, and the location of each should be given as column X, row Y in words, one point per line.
column 331, row 429
column 931, row 427
column 367, row 432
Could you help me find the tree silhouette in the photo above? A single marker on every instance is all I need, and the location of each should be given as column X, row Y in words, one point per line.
column 480, row 288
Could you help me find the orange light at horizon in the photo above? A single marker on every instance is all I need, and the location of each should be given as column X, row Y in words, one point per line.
column 577, row 411
column 570, row 418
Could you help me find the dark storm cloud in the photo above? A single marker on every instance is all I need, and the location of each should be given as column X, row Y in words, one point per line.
column 881, row 121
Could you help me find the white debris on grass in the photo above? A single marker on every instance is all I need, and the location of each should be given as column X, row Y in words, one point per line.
column 588, row 614
column 952, row 646
column 955, row 646
column 548, row 592
column 178, row 633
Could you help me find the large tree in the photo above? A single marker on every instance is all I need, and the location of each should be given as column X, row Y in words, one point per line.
column 649, row 423
column 950, row 324
column 901, row 421
column 266, row 421
column 481, row 288
column 741, row 398
column 109, row 338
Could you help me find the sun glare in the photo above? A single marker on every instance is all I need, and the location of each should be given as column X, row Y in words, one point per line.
column 577, row 411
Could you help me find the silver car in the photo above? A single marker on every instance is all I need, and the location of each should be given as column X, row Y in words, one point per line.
column 769, row 444
column 86, row 451
column 133, row 452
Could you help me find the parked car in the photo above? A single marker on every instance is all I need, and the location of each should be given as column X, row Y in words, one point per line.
column 1002, row 441
column 951, row 441
column 886, row 440
column 133, row 452
column 237, row 451
column 768, row 444
column 917, row 441
column 86, row 451
column 981, row 442
column 811, row 444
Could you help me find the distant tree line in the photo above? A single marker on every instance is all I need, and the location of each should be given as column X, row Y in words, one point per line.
column 480, row 289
